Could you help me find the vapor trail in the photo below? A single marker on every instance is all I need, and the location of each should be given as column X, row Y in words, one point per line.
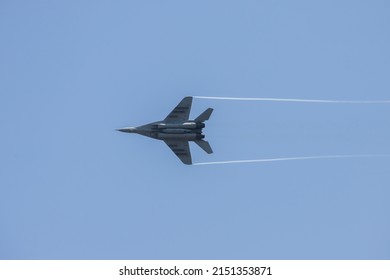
column 295, row 100
column 293, row 158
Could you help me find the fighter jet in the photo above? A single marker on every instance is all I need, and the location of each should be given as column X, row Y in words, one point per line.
column 176, row 130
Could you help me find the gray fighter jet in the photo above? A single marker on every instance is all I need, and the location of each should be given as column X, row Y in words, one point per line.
column 176, row 130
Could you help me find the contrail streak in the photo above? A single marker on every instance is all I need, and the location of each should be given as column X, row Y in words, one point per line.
column 293, row 158
column 296, row 100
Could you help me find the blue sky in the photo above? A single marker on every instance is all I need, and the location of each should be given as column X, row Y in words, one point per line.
column 71, row 187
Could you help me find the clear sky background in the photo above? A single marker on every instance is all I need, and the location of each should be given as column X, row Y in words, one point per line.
column 71, row 72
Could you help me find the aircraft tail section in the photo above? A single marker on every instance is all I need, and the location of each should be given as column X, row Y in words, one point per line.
column 204, row 145
column 204, row 116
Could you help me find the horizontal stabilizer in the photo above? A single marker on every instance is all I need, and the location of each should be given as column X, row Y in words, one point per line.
column 204, row 145
column 204, row 116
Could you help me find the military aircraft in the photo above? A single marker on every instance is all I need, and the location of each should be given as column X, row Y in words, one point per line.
column 176, row 130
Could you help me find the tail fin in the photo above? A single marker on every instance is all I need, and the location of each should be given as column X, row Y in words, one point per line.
column 204, row 145
column 204, row 116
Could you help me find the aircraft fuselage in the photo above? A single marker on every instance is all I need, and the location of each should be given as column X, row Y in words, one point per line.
column 189, row 131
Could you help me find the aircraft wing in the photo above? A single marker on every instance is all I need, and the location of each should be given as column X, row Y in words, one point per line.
column 181, row 111
column 181, row 148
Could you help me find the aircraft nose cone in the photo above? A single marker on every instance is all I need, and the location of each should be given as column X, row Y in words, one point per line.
column 127, row 129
